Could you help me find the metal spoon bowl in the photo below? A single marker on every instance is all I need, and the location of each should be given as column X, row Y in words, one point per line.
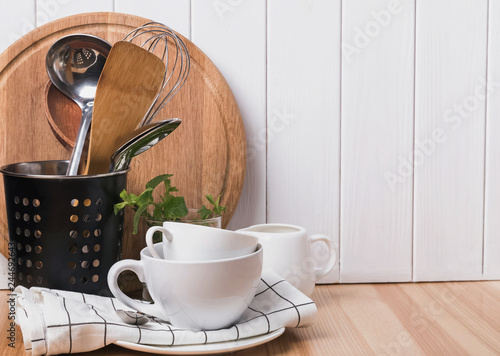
column 140, row 141
column 74, row 64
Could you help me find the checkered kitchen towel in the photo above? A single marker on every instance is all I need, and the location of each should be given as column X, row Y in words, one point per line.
column 56, row 322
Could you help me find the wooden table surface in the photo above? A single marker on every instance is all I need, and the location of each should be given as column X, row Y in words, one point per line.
column 461, row 318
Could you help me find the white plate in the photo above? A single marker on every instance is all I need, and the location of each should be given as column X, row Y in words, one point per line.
column 207, row 349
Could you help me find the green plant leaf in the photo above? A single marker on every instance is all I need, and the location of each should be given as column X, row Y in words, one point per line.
column 146, row 197
column 119, row 206
column 217, row 209
column 130, row 199
column 137, row 217
column 204, row 212
column 169, row 188
column 153, row 183
column 211, row 199
column 175, row 207
column 124, row 195
column 133, row 198
column 158, row 212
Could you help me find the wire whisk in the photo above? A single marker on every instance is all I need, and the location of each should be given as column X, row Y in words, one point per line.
column 155, row 38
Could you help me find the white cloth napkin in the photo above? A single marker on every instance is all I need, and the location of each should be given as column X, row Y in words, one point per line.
column 59, row 322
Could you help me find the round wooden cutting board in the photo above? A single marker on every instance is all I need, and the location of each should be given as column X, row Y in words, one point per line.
column 206, row 153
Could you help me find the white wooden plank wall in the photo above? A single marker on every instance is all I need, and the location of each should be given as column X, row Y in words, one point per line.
column 15, row 21
column 366, row 120
column 303, row 115
column 449, row 139
column 174, row 13
column 233, row 35
column 492, row 180
column 50, row 10
column 377, row 132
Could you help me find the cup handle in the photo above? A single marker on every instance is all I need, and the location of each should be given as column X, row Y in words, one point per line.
column 149, row 238
column 320, row 272
column 137, row 268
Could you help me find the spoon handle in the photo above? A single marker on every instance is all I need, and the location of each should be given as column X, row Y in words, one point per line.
column 76, row 155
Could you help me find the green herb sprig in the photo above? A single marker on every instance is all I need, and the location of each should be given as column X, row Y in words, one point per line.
column 169, row 208
column 206, row 213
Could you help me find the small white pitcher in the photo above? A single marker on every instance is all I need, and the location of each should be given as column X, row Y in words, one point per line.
column 287, row 251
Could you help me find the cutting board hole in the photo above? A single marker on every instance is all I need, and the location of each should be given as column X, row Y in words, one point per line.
column 63, row 115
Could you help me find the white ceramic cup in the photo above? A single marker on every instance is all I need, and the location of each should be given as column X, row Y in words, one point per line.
column 188, row 242
column 288, row 252
column 201, row 295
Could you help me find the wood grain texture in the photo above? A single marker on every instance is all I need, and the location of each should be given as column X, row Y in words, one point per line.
column 236, row 42
column 173, row 13
column 449, row 176
column 60, row 112
column 303, row 116
column 127, row 87
column 4, row 268
column 206, row 154
column 459, row 318
column 491, row 247
column 377, row 132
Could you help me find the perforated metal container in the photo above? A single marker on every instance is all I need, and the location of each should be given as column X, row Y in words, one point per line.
column 64, row 229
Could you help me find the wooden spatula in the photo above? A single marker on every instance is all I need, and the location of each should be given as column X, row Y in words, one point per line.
column 126, row 89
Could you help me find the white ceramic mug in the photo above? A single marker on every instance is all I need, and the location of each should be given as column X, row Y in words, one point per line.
column 204, row 295
column 188, row 242
column 288, row 252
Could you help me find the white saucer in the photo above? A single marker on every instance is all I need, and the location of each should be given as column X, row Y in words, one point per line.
column 207, row 349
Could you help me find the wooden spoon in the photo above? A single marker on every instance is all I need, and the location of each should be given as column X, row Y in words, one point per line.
column 126, row 89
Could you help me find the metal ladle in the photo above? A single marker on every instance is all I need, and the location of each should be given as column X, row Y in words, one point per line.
column 74, row 64
column 140, row 141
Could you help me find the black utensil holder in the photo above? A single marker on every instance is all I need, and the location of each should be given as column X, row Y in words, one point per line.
column 63, row 228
